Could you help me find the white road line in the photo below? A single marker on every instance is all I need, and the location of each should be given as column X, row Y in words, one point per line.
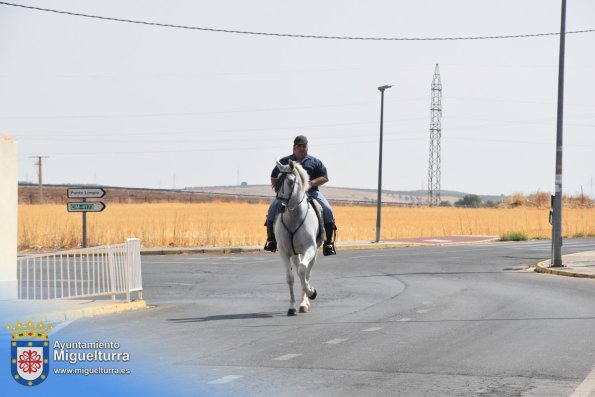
column 335, row 341
column 373, row 329
column 225, row 379
column 404, row 319
column 287, row 357
column 587, row 387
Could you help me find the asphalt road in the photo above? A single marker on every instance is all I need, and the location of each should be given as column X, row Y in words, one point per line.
column 467, row 320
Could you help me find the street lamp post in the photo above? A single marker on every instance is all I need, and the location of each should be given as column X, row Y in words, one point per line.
column 379, row 204
column 557, row 205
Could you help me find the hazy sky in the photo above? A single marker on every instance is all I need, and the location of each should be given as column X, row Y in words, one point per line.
column 142, row 106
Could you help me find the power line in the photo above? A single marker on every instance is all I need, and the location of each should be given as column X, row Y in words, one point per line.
column 359, row 142
column 214, row 112
column 300, row 36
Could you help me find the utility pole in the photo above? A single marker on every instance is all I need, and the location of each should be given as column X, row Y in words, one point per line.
column 557, row 207
column 435, row 134
column 39, row 175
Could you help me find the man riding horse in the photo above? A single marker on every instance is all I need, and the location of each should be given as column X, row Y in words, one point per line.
column 318, row 177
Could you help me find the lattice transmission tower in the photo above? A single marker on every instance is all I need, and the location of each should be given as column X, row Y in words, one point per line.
column 435, row 134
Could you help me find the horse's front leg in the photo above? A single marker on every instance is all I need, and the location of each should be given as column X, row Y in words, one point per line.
column 312, row 294
column 304, row 268
column 289, row 278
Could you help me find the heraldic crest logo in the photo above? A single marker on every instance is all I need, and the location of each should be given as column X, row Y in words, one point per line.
column 29, row 352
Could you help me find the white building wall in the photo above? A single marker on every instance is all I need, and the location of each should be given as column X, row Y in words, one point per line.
column 9, row 177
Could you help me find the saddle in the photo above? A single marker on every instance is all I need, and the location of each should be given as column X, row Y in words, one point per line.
column 320, row 237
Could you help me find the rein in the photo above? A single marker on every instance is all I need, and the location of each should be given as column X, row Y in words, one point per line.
column 292, row 234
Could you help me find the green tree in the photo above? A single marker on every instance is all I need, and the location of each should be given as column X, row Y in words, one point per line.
column 469, row 200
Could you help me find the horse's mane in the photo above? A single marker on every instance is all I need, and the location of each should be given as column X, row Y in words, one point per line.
column 303, row 176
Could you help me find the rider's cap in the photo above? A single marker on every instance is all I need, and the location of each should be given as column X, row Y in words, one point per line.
column 300, row 140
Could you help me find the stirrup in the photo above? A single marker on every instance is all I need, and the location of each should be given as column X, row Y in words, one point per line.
column 329, row 249
column 270, row 246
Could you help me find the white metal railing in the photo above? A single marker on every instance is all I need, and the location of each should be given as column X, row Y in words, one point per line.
column 86, row 272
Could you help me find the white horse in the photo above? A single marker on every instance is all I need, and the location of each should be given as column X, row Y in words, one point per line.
column 296, row 227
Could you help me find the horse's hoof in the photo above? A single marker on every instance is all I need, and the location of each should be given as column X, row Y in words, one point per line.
column 313, row 296
column 304, row 309
column 291, row 312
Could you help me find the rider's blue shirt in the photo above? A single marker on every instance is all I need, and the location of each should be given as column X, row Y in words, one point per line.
column 312, row 165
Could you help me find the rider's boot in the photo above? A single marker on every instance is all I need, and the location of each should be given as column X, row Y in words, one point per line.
column 271, row 244
column 328, row 247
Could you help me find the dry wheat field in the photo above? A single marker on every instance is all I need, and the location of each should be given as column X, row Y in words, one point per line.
column 241, row 224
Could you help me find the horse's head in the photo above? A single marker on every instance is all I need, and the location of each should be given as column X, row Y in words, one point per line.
column 292, row 182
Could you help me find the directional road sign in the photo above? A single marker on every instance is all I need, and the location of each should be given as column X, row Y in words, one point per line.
column 85, row 192
column 95, row 206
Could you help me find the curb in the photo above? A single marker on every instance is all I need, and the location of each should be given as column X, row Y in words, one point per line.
column 380, row 245
column 541, row 267
column 73, row 314
column 190, row 251
column 239, row 250
column 344, row 246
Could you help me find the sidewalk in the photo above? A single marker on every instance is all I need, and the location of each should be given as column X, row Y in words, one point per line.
column 55, row 310
column 581, row 264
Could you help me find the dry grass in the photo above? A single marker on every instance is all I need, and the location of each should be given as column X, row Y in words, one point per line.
column 544, row 200
column 241, row 224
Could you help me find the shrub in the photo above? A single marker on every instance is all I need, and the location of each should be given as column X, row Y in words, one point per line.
column 541, row 199
column 518, row 200
column 514, row 236
column 579, row 200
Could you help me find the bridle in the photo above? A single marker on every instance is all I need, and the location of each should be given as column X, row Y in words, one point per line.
column 284, row 201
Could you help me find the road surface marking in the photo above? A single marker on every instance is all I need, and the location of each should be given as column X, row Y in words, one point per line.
column 335, row 341
column 373, row 329
column 287, row 357
column 404, row 319
column 587, row 387
column 225, row 379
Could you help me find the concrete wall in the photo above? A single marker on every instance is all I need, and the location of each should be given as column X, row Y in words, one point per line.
column 9, row 177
